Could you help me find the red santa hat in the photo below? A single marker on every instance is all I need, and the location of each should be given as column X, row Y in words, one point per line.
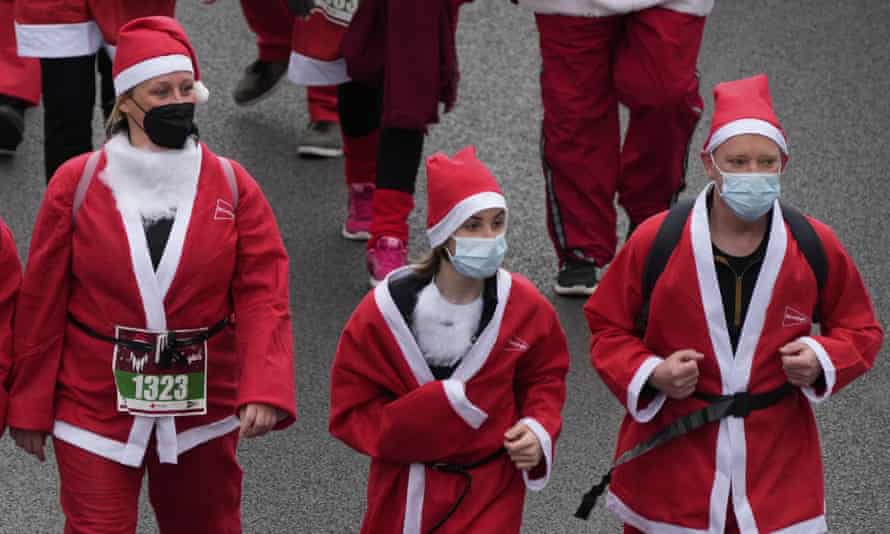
column 457, row 188
column 153, row 46
column 744, row 107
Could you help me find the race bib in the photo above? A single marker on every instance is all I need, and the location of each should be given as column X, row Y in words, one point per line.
column 161, row 373
column 339, row 11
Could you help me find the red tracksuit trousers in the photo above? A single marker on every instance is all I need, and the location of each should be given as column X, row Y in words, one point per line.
column 21, row 76
column 644, row 60
column 273, row 25
column 200, row 494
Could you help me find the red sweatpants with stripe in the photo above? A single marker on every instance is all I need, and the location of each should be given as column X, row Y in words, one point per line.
column 20, row 77
column 644, row 60
column 273, row 25
column 200, row 494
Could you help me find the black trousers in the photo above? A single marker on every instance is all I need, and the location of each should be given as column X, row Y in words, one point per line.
column 398, row 159
column 69, row 97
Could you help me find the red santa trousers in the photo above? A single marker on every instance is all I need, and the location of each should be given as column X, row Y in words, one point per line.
column 199, row 494
column 645, row 60
column 21, row 76
column 273, row 25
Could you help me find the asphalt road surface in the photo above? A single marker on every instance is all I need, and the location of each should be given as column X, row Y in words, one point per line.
column 828, row 64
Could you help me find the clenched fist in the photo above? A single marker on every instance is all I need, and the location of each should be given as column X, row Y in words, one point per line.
column 677, row 376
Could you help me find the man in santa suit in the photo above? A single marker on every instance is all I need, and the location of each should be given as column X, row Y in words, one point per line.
column 67, row 36
column 450, row 375
column 11, row 278
column 156, row 285
column 19, row 85
column 730, row 313
column 278, row 33
column 596, row 54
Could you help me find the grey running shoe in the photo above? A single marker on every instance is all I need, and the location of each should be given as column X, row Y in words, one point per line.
column 259, row 82
column 576, row 278
column 12, row 125
column 321, row 140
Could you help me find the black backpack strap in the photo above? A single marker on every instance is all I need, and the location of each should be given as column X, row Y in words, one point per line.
column 810, row 244
column 660, row 252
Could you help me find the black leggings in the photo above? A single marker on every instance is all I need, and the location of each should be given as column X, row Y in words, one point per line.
column 398, row 158
column 69, row 96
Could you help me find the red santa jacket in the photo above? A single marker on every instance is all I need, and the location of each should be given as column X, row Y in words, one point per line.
column 770, row 462
column 216, row 263
column 72, row 28
column 10, row 279
column 386, row 404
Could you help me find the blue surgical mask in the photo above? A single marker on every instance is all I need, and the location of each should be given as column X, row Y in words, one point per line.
column 750, row 195
column 478, row 257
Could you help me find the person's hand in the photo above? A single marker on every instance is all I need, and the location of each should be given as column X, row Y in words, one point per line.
column 677, row 376
column 257, row 419
column 300, row 8
column 30, row 441
column 523, row 446
column 800, row 363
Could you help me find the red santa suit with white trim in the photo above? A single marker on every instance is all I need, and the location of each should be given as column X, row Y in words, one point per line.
column 21, row 76
column 223, row 259
column 595, row 54
column 11, row 278
column 766, row 468
column 386, row 402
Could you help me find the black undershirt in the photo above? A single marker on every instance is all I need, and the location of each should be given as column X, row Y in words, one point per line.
column 157, row 233
column 737, row 277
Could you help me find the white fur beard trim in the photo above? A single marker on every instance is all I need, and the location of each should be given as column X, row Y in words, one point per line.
column 148, row 183
column 444, row 333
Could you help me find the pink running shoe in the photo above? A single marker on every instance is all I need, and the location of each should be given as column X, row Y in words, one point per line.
column 359, row 212
column 387, row 255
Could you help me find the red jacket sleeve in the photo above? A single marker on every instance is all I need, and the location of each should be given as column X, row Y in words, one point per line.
column 10, row 280
column 42, row 306
column 850, row 335
column 616, row 350
column 540, row 385
column 376, row 412
column 261, row 303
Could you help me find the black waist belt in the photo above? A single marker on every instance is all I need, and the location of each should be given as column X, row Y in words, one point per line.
column 464, row 471
column 719, row 407
column 171, row 350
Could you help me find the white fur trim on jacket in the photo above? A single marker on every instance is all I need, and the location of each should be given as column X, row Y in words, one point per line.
column 537, row 484
column 58, row 40
column 304, row 70
column 640, row 378
column 827, row 369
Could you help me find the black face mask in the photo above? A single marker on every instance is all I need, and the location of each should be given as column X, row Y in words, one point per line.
column 168, row 126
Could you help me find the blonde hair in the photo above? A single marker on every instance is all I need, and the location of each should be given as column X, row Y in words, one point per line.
column 117, row 119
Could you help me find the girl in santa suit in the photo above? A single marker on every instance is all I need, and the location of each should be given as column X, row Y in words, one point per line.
column 69, row 37
column 10, row 279
column 739, row 326
column 452, row 371
column 154, row 325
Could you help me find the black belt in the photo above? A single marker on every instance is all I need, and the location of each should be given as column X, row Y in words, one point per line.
column 719, row 407
column 464, row 471
column 171, row 351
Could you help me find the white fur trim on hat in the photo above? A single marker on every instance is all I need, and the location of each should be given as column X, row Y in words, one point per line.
column 464, row 209
column 145, row 70
column 746, row 126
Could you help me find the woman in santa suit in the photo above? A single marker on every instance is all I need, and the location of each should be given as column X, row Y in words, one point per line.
column 154, row 325
column 452, row 371
column 10, row 279
column 69, row 36
column 737, row 331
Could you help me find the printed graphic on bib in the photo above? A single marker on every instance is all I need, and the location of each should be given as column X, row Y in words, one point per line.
column 338, row 11
column 161, row 373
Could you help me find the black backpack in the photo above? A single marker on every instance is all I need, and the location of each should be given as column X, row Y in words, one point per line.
column 672, row 228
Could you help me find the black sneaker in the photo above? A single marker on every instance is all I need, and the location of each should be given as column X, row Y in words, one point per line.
column 259, row 81
column 12, row 124
column 576, row 278
column 321, row 139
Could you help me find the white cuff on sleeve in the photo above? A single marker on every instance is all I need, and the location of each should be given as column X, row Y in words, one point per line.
column 537, row 484
column 457, row 397
column 636, row 389
column 827, row 369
